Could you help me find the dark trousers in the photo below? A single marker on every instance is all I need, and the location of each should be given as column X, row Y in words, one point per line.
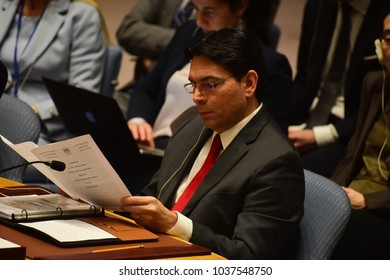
column 324, row 160
column 367, row 237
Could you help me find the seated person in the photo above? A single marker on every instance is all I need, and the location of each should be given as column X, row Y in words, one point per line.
column 161, row 98
column 326, row 95
column 365, row 170
column 251, row 185
column 62, row 40
column 147, row 29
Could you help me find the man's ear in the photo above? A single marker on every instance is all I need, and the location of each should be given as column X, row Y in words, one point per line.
column 251, row 79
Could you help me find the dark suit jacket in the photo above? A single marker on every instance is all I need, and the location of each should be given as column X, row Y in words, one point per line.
column 316, row 35
column 250, row 204
column 3, row 77
column 147, row 100
column 370, row 109
column 147, row 29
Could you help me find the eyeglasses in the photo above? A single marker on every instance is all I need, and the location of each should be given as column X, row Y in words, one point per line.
column 203, row 87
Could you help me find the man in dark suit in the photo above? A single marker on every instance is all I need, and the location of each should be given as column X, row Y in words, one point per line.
column 250, row 203
column 365, row 170
column 322, row 146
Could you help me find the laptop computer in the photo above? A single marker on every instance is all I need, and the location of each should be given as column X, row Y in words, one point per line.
column 85, row 112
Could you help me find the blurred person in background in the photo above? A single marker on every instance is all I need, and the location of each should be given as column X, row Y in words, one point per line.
column 160, row 97
column 335, row 53
column 364, row 172
column 59, row 39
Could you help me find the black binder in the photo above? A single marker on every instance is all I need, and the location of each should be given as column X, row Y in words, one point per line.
column 121, row 231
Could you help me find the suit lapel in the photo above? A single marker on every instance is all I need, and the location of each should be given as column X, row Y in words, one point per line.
column 47, row 29
column 180, row 163
column 7, row 17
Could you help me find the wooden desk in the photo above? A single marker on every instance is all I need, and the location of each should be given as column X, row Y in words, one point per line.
column 167, row 247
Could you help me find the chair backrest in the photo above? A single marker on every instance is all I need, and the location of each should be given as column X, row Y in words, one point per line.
column 111, row 70
column 18, row 123
column 327, row 210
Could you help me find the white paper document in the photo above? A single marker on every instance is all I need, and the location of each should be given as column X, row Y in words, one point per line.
column 88, row 174
column 7, row 244
column 70, row 230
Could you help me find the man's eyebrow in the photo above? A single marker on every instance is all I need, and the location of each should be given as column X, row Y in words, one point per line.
column 386, row 32
column 203, row 79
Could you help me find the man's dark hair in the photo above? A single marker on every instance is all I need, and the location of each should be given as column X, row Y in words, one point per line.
column 238, row 51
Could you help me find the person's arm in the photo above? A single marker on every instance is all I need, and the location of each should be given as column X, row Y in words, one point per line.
column 149, row 212
column 87, row 48
column 146, row 30
column 142, row 131
column 377, row 201
column 149, row 96
column 356, row 198
column 346, row 169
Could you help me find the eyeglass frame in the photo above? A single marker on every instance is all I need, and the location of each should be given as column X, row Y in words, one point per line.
column 190, row 87
column 385, row 42
column 385, row 39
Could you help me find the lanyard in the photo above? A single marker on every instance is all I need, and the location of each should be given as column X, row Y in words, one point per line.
column 16, row 63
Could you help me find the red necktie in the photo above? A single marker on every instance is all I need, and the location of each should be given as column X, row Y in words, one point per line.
column 214, row 152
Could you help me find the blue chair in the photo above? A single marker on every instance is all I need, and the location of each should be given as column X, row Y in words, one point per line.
column 111, row 70
column 327, row 210
column 18, row 123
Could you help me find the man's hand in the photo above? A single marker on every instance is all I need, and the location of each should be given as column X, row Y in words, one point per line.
column 142, row 133
column 150, row 213
column 356, row 198
column 303, row 139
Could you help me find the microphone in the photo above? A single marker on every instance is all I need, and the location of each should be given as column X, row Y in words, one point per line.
column 55, row 164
